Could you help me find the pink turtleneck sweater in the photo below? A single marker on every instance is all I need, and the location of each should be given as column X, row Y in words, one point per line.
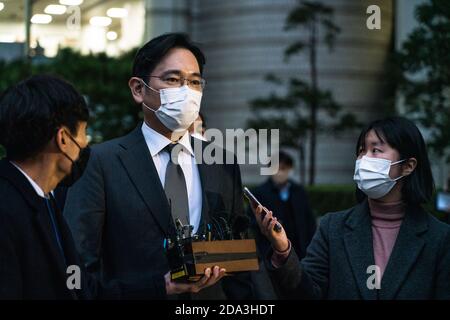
column 386, row 221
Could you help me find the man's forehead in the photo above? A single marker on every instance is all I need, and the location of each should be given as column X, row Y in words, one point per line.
column 180, row 72
column 179, row 59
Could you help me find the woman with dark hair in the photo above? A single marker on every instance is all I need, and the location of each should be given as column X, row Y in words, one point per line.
column 387, row 246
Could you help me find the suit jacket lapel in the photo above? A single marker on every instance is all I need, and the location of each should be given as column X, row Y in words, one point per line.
column 359, row 248
column 40, row 215
column 203, row 171
column 70, row 252
column 47, row 235
column 406, row 250
column 139, row 165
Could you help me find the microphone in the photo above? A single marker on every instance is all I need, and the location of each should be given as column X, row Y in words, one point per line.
column 228, row 233
column 241, row 224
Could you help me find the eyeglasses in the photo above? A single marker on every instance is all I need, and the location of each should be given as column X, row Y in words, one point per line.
column 175, row 81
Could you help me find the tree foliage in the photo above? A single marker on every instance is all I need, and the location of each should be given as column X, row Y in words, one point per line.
column 296, row 112
column 101, row 79
column 424, row 79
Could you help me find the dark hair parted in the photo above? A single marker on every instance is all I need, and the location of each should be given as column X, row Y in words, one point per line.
column 286, row 159
column 154, row 51
column 404, row 136
column 33, row 110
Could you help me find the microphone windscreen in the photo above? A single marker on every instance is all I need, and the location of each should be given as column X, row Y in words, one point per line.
column 241, row 224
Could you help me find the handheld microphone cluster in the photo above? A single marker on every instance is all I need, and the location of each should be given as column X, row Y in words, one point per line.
column 189, row 254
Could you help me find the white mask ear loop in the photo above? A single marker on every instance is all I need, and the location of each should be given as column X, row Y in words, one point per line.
column 143, row 103
column 143, row 82
column 397, row 162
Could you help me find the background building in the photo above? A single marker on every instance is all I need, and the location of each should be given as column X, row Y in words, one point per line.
column 243, row 41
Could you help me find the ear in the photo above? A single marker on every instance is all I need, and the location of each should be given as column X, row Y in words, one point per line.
column 137, row 89
column 61, row 139
column 409, row 166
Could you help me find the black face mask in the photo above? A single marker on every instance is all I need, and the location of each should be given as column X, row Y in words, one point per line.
column 78, row 166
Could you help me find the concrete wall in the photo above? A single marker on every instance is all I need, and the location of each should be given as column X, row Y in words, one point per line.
column 244, row 40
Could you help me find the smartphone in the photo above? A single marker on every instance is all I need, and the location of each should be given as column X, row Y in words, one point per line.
column 252, row 198
column 443, row 202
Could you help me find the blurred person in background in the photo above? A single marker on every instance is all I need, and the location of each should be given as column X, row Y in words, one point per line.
column 448, row 191
column 289, row 202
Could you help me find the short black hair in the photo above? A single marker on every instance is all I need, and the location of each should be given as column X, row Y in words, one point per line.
column 154, row 51
column 32, row 111
column 286, row 159
column 404, row 136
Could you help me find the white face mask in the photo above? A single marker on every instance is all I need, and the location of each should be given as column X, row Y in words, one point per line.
column 372, row 176
column 179, row 107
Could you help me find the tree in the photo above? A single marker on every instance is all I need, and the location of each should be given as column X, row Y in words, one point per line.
column 296, row 112
column 101, row 79
column 424, row 79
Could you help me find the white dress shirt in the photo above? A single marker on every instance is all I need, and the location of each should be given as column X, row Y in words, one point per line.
column 156, row 143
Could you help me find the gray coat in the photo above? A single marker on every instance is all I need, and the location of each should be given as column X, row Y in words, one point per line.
column 337, row 259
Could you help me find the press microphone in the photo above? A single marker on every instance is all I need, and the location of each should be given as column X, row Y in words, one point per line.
column 240, row 225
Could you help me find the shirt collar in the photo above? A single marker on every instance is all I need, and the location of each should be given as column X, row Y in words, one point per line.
column 157, row 142
column 35, row 186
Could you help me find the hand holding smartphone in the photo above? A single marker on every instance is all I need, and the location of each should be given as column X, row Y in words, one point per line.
column 277, row 228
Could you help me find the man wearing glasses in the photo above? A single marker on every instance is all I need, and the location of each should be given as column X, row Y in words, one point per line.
column 136, row 187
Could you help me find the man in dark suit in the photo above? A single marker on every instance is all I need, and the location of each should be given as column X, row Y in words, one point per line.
column 43, row 129
column 136, row 186
column 290, row 205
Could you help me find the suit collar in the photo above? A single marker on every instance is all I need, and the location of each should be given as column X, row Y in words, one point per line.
column 137, row 161
column 40, row 216
column 35, row 186
column 157, row 142
column 20, row 182
column 359, row 216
